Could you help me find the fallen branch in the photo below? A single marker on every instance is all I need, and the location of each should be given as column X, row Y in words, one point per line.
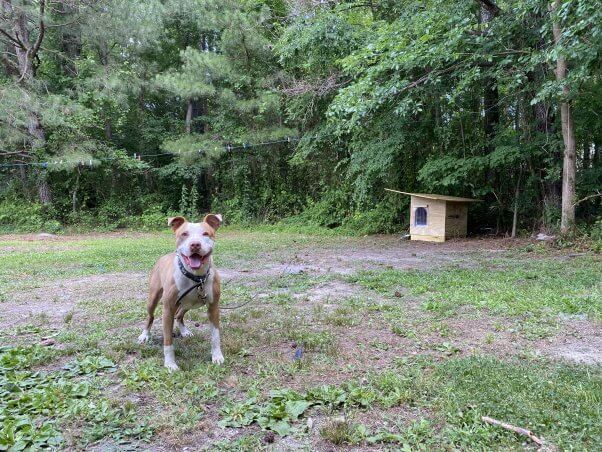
column 588, row 197
column 512, row 428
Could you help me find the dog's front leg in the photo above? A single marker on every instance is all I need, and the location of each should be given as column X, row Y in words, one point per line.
column 184, row 331
column 213, row 314
column 168, row 350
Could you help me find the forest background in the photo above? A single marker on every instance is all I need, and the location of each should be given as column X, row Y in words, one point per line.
column 117, row 113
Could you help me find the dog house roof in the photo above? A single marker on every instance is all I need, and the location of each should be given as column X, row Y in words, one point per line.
column 432, row 196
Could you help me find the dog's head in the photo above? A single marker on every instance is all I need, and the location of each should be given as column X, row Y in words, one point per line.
column 194, row 241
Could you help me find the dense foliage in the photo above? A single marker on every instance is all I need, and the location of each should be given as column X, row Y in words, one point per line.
column 117, row 112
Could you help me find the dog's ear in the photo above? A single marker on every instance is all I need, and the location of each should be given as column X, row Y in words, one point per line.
column 214, row 220
column 175, row 222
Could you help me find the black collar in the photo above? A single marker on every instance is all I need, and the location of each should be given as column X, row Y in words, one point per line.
column 192, row 276
column 198, row 279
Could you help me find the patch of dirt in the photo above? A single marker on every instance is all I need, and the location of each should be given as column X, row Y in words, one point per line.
column 581, row 343
column 328, row 293
column 353, row 254
column 393, row 252
column 55, row 300
column 473, row 332
column 74, row 237
column 271, row 269
column 578, row 352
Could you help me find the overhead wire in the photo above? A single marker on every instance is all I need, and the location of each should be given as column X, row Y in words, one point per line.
column 139, row 156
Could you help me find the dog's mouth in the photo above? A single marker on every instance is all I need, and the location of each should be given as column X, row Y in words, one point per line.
column 195, row 260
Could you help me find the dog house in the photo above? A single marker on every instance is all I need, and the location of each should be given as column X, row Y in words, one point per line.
column 434, row 218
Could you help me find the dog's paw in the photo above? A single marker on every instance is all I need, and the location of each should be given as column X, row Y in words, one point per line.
column 171, row 366
column 217, row 358
column 144, row 337
column 185, row 332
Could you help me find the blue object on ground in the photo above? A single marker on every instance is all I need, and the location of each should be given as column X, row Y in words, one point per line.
column 298, row 353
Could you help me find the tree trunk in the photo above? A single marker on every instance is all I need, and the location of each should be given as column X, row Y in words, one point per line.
column 107, row 128
column 491, row 109
column 567, row 220
column 71, row 43
column 194, row 109
column 44, row 193
column 492, row 112
column 491, row 115
column 550, row 187
column 517, row 129
column 515, row 213
column 26, row 53
column 75, row 190
column 189, row 110
column 25, row 181
column 103, row 53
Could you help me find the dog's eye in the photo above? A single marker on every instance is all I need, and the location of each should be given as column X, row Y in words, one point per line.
column 206, row 234
column 185, row 234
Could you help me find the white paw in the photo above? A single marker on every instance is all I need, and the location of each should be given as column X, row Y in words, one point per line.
column 144, row 337
column 185, row 332
column 217, row 358
column 171, row 366
column 170, row 358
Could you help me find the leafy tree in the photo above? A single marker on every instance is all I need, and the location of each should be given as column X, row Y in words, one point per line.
column 268, row 109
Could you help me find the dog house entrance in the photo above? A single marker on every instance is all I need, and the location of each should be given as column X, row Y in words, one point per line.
column 420, row 216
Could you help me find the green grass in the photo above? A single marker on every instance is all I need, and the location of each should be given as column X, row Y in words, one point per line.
column 98, row 387
column 562, row 403
column 35, row 406
column 511, row 287
column 134, row 253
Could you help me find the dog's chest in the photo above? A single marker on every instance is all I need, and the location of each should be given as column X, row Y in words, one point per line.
column 197, row 297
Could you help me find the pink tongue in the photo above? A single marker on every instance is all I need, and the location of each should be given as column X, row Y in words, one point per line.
column 195, row 261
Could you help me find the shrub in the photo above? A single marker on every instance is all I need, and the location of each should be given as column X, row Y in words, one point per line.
column 152, row 219
column 113, row 214
column 383, row 218
column 22, row 217
column 595, row 232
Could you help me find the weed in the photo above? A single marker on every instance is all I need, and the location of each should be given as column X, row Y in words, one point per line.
column 489, row 338
column 447, row 348
column 68, row 317
column 379, row 345
column 341, row 431
column 244, row 443
column 402, row 330
column 89, row 365
column 442, row 329
column 321, row 341
column 342, row 316
column 34, row 405
column 537, row 328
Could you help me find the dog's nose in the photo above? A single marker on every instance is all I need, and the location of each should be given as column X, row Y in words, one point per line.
column 195, row 246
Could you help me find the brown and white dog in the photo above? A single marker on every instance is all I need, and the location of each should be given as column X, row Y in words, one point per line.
column 186, row 280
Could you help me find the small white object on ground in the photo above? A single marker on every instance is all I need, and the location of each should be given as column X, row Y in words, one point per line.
column 46, row 235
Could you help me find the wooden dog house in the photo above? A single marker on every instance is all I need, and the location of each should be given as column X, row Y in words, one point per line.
column 434, row 218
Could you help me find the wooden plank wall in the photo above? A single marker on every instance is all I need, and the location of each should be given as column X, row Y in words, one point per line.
column 456, row 218
column 435, row 228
